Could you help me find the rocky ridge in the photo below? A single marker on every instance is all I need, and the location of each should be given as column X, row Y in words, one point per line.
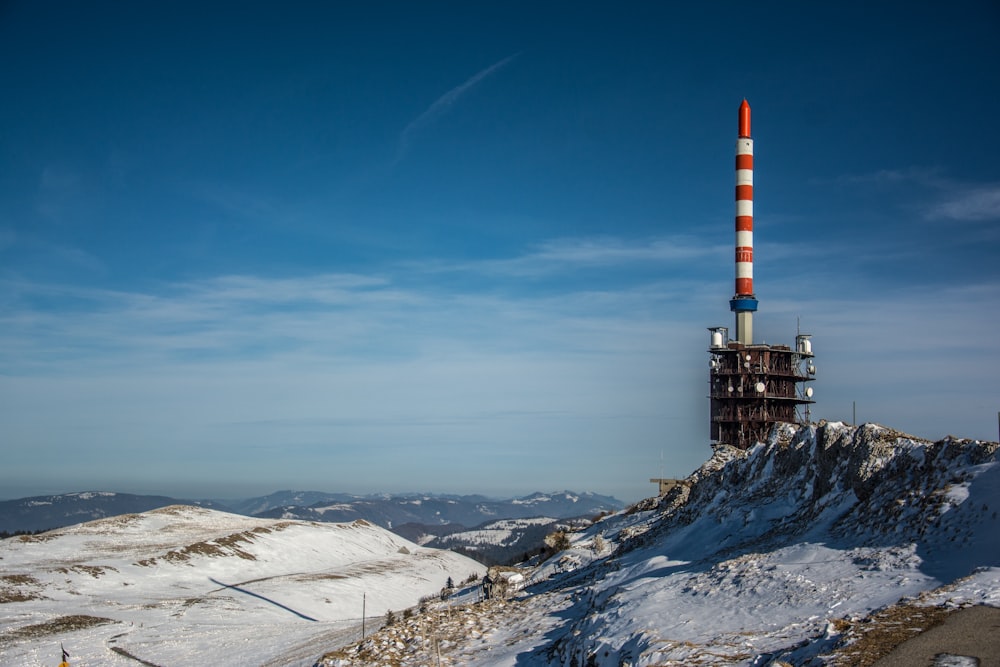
column 732, row 562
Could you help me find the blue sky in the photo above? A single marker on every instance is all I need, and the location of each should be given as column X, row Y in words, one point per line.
column 475, row 247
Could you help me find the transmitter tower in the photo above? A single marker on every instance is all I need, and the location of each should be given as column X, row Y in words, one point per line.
column 753, row 386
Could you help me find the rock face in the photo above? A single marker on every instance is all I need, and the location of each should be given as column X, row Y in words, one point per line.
column 854, row 517
column 861, row 484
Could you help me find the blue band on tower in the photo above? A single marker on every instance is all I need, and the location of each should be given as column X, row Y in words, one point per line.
column 743, row 304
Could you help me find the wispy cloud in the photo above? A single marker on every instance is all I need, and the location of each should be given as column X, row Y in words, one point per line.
column 950, row 199
column 566, row 255
column 352, row 366
column 969, row 204
column 923, row 175
column 443, row 104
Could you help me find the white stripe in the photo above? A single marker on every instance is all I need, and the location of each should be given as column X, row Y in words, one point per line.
column 744, row 269
column 744, row 177
column 744, row 146
column 744, row 207
column 744, row 239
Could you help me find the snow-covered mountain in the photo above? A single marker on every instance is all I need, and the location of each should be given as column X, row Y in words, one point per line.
column 778, row 551
column 184, row 585
column 390, row 511
column 797, row 552
column 824, row 546
column 287, row 498
column 47, row 512
column 494, row 542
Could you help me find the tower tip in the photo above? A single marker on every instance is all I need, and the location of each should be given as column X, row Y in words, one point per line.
column 744, row 119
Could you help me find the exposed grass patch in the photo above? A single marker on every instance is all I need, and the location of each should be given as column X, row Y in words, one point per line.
column 322, row 577
column 173, row 510
column 117, row 521
column 93, row 570
column 19, row 588
column 57, row 626
column 221, row 547
column 874, row 637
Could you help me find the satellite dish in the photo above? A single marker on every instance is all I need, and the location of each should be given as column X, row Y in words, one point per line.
column 809, row 392
column 811, row 369
column 713, row 363
column 730, row 389
column 760, row 387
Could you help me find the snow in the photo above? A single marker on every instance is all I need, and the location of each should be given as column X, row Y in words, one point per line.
column 189, row 586
column 781, row 553
column 338, row 507
column 770, row 556
column 497, row 533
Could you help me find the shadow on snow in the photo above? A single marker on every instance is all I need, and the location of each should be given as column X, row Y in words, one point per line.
column 261, row 597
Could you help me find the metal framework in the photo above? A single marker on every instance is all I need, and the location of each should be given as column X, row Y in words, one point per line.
column 753, row 387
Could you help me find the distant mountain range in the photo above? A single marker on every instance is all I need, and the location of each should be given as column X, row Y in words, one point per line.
column 388, row 511
column 435, row 510
column 499, row 542
column 48, row 512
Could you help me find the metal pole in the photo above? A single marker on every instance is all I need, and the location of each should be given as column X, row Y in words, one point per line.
column 364, row 600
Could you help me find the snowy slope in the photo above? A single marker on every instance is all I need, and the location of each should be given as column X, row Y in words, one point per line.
column 781, row 553
column 189, row 586
column 764, row 550
column 503, row 533
column 774, row 554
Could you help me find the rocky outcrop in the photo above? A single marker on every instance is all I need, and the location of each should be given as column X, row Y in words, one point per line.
column 864, row 483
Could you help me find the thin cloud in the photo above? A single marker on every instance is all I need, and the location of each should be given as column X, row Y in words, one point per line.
column 573, row 254
column 953, row 200
column 443, row 104
column 973, row 205
column 881, row 177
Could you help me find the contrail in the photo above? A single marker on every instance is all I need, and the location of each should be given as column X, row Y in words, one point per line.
column 441, row 105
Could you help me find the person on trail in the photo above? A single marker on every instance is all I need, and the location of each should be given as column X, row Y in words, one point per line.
column 487, row 587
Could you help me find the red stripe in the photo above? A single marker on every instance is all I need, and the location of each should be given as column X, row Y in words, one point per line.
column 744, row 223
column 744, row 192
column 744, row 285
column 744, row 161
column 744, row 254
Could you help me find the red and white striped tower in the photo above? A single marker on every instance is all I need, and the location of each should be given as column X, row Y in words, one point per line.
column 744, row 303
